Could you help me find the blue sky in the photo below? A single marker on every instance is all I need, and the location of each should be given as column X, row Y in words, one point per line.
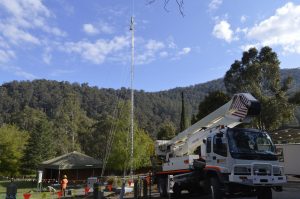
column 88, row 41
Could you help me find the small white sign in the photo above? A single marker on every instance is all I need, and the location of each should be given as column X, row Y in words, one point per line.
column 40, row 176
column 170, row 183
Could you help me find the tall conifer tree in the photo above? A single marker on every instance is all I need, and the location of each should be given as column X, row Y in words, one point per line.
column 183, row 120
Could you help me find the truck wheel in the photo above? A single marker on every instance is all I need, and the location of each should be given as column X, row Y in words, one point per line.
column 264, row 193
column 215, row 189
column 176, row 191
column 162, row 187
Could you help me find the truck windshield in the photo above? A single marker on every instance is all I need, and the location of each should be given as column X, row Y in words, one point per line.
column 250, row 144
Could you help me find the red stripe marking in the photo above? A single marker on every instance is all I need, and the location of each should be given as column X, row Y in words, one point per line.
column 212, row 167
column 174, row 171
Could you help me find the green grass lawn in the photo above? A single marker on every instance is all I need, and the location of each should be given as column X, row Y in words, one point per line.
column 25, row 187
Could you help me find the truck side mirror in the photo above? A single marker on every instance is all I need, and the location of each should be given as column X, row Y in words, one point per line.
column 219, row 135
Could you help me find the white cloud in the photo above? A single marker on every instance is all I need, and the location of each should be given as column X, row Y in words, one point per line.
column 246, row 47
column 60, row 72
column 214, row 4
column 16, row 35
column 3, row 43
column 6, row 55
column 154, row 49
column 106, row 28
column 47, row 57
column 153, row 45
column 164, row 54
column 243, row 19
column 54, row 30
column 26, row 75
column 118, row 50
column 282, row 29
column 170, row 42
column 98, row 51
column 101, row 27
column 149, row 52
column 21, row 17
column 90, row 29
column 144, row 58
column 18, row 71
column 222, row 31
column 21, row 9
column 243, row 30
column 185, row 51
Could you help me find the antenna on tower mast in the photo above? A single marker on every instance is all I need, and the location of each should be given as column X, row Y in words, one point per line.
column 132, row 96
column 132, row 109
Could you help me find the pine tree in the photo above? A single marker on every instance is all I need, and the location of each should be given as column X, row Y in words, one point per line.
column 183, row 119
column 40, row 146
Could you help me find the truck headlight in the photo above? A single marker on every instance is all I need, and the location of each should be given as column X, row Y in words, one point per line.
column 278, row 171
column 242, row 170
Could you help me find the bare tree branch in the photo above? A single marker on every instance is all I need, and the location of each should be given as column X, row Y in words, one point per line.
column 180, row 4
column 150, row 1
column 165, row 6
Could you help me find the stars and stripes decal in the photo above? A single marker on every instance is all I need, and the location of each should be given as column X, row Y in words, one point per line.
column 240, row 105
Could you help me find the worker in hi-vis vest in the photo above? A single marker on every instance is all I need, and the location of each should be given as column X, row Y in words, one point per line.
column 63, row 184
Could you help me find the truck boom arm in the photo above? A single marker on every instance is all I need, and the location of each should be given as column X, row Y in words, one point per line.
column 239, row 109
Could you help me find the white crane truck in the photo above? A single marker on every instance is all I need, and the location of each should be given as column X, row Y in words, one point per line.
column 217, row 158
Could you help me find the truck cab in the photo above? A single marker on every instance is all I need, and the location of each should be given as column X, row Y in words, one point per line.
column 244, row 160
column 216, row 155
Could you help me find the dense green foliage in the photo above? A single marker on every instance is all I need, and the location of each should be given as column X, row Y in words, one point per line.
column 295, row 99
column 211, row 102
column 167, row 131
column 12, row 145
column 258, row 73
column 120, row 150
column 41, row 145
column 61, row 117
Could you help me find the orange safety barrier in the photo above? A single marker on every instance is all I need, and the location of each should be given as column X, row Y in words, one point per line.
column 26, row 195
column 59, row 194
column 109, row 187
column 86, row 190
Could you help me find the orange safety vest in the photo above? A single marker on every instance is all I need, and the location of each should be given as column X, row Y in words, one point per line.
column 64, row 183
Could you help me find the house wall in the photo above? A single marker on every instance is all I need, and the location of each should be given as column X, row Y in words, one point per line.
column 74, row 175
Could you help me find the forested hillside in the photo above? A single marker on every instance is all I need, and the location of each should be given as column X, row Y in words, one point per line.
column 41, row 119
column 151, row 109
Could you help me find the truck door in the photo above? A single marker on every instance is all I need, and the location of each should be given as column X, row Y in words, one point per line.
column 208, row 150
column 219, row 151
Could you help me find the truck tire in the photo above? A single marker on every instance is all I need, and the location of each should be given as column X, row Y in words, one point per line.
column 215, row 188
column 264, row 193
column 176, row 191
column 162, row 187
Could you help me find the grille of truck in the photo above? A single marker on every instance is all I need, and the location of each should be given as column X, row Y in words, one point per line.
column 262, row 169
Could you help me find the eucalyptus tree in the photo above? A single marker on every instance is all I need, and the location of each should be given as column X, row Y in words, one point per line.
column 12, row 145
column 258, row 72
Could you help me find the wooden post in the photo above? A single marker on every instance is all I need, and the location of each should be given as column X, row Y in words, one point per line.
column 58, row 179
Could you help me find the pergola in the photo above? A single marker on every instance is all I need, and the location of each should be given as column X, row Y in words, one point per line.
column 75, row 165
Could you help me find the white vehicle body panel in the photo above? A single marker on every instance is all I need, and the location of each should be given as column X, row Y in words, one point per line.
column 289, row 158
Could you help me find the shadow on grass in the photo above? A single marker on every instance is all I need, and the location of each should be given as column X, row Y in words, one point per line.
column 20, row 184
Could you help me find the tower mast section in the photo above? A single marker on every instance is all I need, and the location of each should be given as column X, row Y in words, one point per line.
column 132, row 95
